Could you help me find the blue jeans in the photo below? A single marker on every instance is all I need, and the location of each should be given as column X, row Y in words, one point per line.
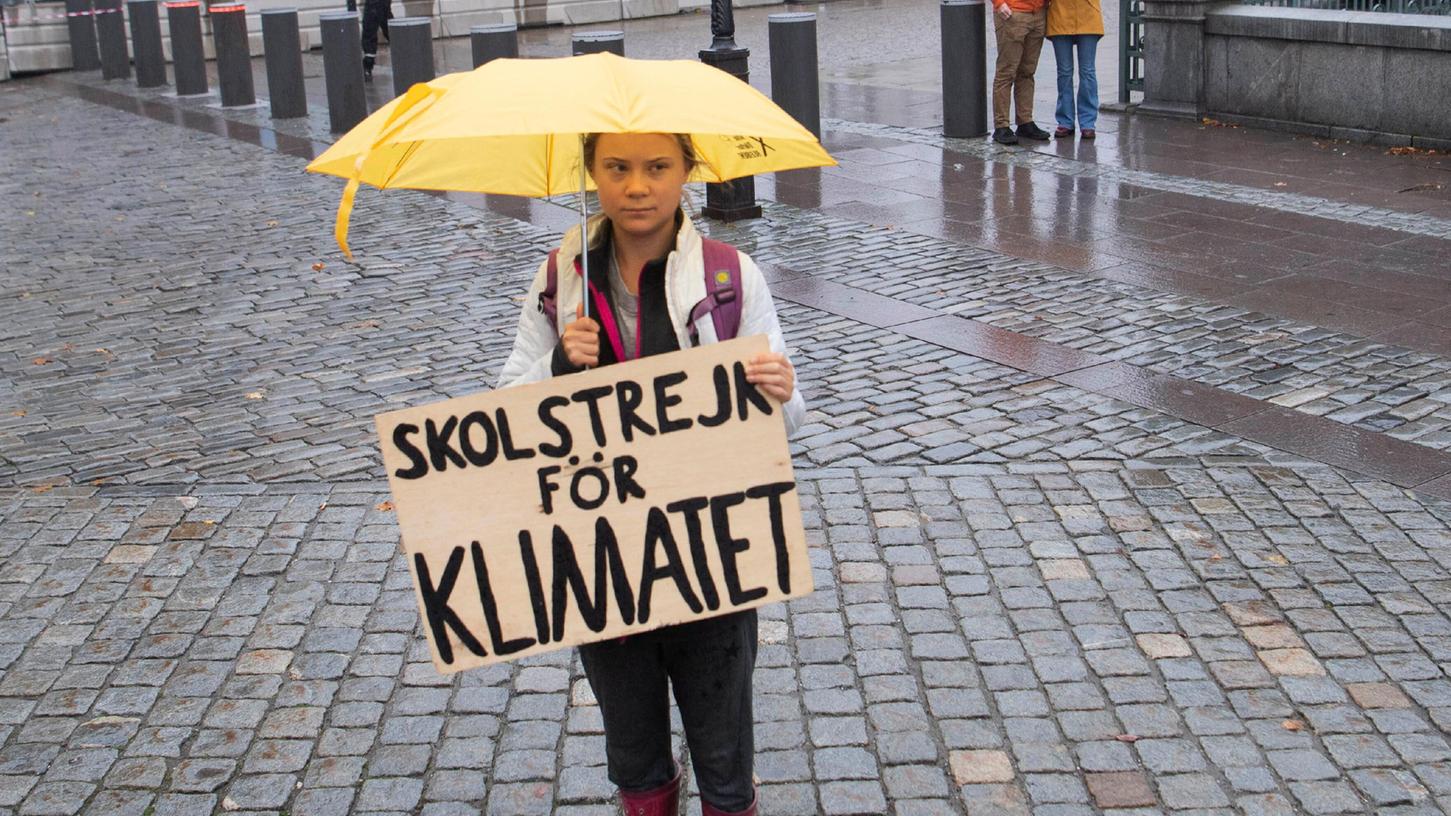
column 1087, row 45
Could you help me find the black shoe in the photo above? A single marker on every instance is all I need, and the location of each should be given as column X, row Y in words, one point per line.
column 368, row 67
column 1032, row 131
column 1004, row 135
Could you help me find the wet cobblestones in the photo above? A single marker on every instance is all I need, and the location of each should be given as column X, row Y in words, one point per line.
column 1178, row 633
column 1359, row 382
column 1031, row 598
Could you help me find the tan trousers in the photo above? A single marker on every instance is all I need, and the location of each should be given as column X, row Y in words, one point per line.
column 1020, row 41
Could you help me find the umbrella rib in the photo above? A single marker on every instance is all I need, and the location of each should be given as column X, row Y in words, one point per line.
column 398, row 165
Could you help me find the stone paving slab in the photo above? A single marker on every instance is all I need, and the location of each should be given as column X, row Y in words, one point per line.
column 1346, row 378
column 1032, row 597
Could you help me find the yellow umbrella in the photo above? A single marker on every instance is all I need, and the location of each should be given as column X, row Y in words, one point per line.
column 516, row 127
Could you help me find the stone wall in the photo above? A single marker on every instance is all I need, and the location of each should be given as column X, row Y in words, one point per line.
column 43, row 44
column 1356, row 75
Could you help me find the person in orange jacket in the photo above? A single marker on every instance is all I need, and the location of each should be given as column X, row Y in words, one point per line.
column 1076, row 25
column 1019, row 26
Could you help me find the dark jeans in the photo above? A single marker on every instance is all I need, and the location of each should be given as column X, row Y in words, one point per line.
column 376, row 14
column 709, row 665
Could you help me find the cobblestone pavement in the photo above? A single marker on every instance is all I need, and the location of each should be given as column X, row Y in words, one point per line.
column 1033, row 597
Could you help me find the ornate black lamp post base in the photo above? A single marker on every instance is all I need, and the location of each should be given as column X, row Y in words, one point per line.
column 733, row 200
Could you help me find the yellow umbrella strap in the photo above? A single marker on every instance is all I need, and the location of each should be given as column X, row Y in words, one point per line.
column 345, row 212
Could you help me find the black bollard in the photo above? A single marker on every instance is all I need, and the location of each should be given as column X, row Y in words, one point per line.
column 81, row 21
column 598, row 42
column 234, row 55
column 342, row 67
column 964, row 69
column 111, row 35
column 282, row 48
column 733, row 200
column 146, row 43
column 494, row 41
column 410, row 40
column 188, row 57
column 794, row 83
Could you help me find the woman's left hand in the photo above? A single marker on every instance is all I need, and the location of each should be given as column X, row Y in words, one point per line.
column 773, row 374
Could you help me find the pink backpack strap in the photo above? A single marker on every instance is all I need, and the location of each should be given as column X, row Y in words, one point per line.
column 723, row 294
column 548, row 299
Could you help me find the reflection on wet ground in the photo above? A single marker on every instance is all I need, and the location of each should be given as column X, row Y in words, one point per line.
column 1304, row 274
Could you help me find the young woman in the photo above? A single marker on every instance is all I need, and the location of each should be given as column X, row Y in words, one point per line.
column 1076, row 25
column 647, row 273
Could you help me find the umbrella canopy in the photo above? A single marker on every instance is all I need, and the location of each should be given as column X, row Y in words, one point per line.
column 514, row 127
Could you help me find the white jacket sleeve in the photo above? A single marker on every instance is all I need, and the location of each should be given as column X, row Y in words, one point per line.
column 758, row 316
column 534, row 341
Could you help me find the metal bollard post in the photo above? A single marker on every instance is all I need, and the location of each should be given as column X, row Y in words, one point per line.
column 964, row 69
column 234, row 56
column 342, row 67
column 80, row 20
column 733, row 200
column 188, row 57
column 282, row 48
column 410, row 39
column 494, row 41
column 794, row 83
column 111, row 35
column 596, row 42
column 146, row 43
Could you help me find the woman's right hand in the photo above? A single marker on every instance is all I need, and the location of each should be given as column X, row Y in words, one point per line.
column 581, row 341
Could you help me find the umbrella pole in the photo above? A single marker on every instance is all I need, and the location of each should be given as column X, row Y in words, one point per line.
column 583, row 231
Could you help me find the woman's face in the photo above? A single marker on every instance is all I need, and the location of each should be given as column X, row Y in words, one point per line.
column 640, row 177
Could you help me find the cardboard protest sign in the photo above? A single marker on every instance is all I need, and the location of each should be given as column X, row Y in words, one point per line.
column 595, row 505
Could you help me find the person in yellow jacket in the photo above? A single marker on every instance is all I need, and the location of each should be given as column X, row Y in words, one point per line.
column 1076, row 25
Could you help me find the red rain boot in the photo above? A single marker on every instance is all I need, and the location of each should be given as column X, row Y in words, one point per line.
column 662, row 801
column 707, row 809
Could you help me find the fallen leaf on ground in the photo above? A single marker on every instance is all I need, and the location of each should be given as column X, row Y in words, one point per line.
column 19, row 412
column 317, row 267
column 1127, row 737
column 1291, row 725
column 272, row 222
column 1412, row 151
column 254, row 395
column 383, row 506
column 40, row 361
